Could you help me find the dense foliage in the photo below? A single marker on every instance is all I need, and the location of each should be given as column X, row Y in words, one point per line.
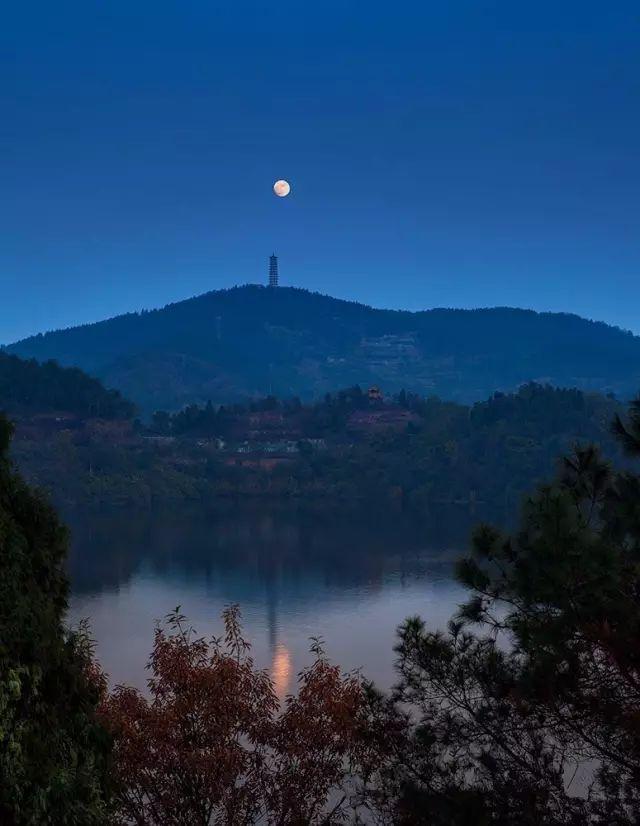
column 534, row 717
column 28, row 388
column 442, row 452
column 247, row 341
column 52, row 752
column 492, row 452
column 212, row 743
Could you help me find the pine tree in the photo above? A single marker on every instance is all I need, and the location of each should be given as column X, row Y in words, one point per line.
column 533, row 718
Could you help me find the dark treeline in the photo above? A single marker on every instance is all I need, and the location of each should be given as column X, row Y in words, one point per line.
column 524, row 711
column 53, row 753
column 348, row 448
column 491, row 451
column 545, row 409
column 29, row 388
column 327, row 417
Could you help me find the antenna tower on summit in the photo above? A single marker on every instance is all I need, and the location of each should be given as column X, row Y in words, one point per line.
column 273, row 270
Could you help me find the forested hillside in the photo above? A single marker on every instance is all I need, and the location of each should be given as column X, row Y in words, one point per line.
column 251, row 341
column 28, row 388
column 347, row 450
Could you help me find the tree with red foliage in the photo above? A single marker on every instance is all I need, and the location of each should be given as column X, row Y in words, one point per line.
column 212, row 743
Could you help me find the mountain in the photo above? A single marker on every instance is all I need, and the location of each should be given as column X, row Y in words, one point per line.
column 252, row 340
column 28, row 388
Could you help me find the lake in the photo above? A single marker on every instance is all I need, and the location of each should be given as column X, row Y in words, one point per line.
column 347, row 578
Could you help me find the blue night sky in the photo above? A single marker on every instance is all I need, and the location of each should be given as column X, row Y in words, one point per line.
column 460, row 153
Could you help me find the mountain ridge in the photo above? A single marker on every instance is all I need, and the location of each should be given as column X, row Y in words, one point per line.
column 251, row 340
column 317, row 293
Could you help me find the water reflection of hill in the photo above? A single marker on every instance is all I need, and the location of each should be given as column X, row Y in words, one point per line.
column 278, row 545
column 296, row 574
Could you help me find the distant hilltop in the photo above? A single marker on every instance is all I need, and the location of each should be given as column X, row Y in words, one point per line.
column 247, row 341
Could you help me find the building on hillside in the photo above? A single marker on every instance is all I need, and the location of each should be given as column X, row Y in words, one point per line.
column 273, row 270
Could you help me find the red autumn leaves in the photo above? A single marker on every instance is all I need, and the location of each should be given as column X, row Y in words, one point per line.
column 211, row 742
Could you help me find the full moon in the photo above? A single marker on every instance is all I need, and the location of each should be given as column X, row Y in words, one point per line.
column 281, row 188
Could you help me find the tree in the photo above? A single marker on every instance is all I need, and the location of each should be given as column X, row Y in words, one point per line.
column 53, row 753
column 161, row 422
column 27, row 387
column 212, row 743
column 535, row 717
column 629, row 434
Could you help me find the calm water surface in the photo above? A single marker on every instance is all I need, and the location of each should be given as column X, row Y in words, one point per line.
column 348, row 579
